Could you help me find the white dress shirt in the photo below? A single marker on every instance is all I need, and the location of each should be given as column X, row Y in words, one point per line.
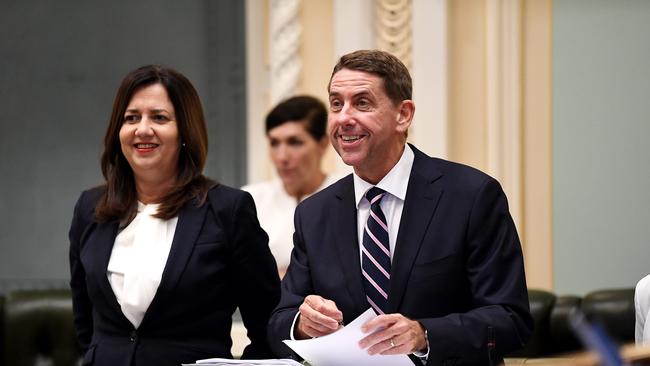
column 138, row 259
column 394, row 183
column 642, row 309
column 392, row 204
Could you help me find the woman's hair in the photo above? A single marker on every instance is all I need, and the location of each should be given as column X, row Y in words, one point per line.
column 302, row 108
column 119, row 200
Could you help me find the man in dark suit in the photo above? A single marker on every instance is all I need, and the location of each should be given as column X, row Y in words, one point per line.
column 428, row 244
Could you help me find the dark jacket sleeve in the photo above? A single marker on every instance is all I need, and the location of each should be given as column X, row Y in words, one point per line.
column 495, row 269
column 296, row 284
column 257, row 283
column 81, row 305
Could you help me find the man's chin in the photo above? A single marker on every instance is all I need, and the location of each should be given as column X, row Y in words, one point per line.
column 351, row 160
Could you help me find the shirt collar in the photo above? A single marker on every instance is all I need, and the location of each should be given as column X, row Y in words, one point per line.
column 395, row 182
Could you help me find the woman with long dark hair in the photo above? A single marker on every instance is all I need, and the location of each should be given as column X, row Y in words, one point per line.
column 160, row 255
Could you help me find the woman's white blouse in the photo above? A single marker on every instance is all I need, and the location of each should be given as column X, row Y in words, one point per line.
column 642, row 307
column 137, row 261
column 275, row 208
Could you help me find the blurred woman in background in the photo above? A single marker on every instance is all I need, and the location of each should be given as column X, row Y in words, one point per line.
column 295, row 129
column 160, row 255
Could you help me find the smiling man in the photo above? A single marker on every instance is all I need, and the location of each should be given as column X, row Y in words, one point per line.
column 427, row 243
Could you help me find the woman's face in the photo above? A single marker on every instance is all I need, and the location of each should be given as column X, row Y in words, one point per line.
column 149, row 134
column 296, row 156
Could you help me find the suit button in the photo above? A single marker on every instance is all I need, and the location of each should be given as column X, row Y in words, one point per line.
column 133, row 336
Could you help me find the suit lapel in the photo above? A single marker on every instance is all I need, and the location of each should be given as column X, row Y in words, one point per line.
column 422, row 197
column 190, row 222
column 102, row 247
column 347, row 244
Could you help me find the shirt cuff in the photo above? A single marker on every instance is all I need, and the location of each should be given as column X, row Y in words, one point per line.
column 423, row 356
column 294, row 324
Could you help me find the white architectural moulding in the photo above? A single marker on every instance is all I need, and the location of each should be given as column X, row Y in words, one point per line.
column 285, row 35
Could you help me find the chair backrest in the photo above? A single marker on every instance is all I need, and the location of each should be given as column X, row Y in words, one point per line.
column 38, row 328
column 2, row 327
column 562, row 338
column 541, row 304
column 613, row 310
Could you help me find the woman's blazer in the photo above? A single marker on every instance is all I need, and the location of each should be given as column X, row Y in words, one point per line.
column 219, row 260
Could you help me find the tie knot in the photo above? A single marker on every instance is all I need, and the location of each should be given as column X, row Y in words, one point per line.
column 374, row 195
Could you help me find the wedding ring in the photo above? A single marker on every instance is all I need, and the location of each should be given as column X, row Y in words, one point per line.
column 392, row 344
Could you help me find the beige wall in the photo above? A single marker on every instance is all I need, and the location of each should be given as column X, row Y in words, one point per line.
column 317, row 49
column 317, row 52
column 537, row 143
column 467, row 82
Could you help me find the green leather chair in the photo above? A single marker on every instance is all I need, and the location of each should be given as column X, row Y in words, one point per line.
column 561, row 337
column 38, row 328
column 552, row 334
column 541, row 304
column 614, row 310
column 2, row 327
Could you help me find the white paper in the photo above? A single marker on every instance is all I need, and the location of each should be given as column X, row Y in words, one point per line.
column 341, row 348
column 227, row 361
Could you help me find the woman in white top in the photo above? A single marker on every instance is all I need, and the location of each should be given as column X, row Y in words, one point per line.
column 642, row 307
column 161, row 256
column 295, row 129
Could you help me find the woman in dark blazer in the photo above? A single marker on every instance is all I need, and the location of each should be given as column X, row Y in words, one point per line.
column 161, row 256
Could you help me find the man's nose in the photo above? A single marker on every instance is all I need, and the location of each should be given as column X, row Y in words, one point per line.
column 344, row 117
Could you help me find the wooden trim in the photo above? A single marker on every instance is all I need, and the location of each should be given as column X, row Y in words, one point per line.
column 503, row 34
column 258, row 166
column 537, row 153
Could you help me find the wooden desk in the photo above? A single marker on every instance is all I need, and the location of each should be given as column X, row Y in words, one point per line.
column 629, row 352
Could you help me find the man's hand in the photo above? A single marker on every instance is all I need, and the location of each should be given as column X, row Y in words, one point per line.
column 318, row 317
column 394, row 334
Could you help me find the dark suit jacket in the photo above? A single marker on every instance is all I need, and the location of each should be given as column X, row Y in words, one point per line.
column 457, row 266
column 219, row 260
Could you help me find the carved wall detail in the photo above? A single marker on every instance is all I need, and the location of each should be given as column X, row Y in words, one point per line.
column 393, row 26
column 285, row 33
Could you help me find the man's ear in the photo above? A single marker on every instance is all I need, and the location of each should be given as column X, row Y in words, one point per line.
column 405, row 115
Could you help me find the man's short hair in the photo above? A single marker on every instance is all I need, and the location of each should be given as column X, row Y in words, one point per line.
column 397, row 80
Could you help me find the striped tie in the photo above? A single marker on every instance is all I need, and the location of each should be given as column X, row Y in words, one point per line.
column 375, row 260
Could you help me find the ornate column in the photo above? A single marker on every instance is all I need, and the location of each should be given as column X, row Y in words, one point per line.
column 393, row 27
column 284, row 48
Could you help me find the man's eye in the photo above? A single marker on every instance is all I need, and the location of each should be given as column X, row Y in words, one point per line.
column 336, row 105
column 363, row 104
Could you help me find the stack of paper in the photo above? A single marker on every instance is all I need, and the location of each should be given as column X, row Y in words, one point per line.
column 227, row 361
column 341, row 348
